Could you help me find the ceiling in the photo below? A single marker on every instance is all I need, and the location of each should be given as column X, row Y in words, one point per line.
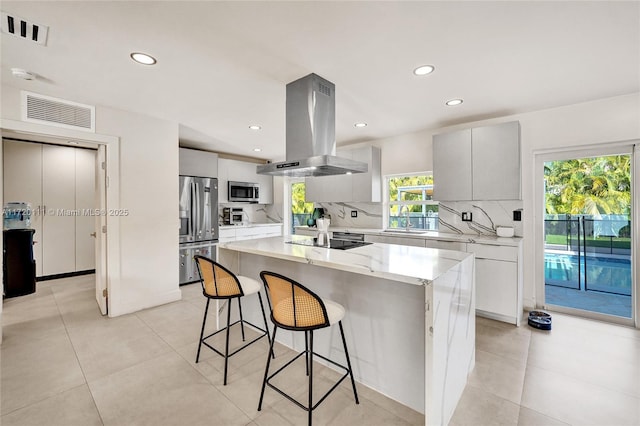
column 223, row 66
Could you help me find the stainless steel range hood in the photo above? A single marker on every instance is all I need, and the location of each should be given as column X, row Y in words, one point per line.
column 311, row 133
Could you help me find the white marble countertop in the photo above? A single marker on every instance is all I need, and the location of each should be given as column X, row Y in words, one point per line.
column 432, row 235
column 249, row 225
column 412, row 265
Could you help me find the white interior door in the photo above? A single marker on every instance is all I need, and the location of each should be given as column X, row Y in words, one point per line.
column 23, row 182
column 100, row 225
column 59, row 222
column 85, row 202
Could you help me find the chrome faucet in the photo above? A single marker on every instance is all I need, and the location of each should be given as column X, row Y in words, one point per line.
column 407, row 222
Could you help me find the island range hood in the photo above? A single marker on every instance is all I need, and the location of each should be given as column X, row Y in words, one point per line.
column 311, row 133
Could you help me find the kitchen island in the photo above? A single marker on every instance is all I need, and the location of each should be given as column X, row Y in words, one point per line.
column 410, row 321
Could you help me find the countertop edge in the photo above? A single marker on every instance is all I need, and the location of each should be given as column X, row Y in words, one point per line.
column 241, row 246
column 433, row 235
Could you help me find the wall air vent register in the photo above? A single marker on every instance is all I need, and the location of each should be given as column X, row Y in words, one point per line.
column 43, row 109
column 24, row 29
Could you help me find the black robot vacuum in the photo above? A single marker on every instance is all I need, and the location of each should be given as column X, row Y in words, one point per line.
column 540, row 320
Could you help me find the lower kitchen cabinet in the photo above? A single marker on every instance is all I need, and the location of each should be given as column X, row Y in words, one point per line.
column 447, row 245
column 405, row 241
column 498, row 282
column 249, row 232
column 499, row 291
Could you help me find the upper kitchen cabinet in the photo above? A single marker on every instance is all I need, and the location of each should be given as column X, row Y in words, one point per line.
column 242, row 171
column 198, row 163
column 359, row 187
column 482, row 163
column 452, row 169
column 495, row 151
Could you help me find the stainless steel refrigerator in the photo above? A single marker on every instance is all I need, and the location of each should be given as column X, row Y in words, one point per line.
column 198, row 223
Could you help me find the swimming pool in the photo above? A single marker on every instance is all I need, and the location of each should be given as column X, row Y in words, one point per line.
column 603, row 273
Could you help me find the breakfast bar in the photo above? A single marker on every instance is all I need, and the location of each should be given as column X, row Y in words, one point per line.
column 409, row 312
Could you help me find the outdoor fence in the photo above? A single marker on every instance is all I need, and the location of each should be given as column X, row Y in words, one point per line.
column 588, row 254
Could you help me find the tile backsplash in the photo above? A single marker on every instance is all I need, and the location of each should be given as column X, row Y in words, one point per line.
column 369, row 215
column 255, row 213
column 486, row 216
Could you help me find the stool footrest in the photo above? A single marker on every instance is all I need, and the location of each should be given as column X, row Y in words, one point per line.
column 264, row 333
column 281, row 392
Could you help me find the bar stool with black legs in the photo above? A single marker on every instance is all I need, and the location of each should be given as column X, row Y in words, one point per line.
column 296, row 308
column 218, row 283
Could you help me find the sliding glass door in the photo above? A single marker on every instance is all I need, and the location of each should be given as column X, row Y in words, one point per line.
column 588, row 222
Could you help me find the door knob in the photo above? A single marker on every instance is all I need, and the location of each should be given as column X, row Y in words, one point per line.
column 93, row 234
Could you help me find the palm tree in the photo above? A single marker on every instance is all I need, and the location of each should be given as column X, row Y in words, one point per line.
column 589, row 186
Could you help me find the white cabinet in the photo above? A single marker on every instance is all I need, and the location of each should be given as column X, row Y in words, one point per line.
column 23, row 182
column 446, row 245
column 482, row 163
column 452, row 170
column 226, row 234
column 498, row 282
column 390, row 239
column 85, row 199
column 495, row 151
column 240, row 233
column 59, row 182
column 58, row 195
column 266, row 188
column 359, row 187
column 193, row 162
column 242, row 171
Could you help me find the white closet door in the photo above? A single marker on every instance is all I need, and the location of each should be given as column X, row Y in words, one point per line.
column 59, row 222
column 23, row 182
column 85, row 200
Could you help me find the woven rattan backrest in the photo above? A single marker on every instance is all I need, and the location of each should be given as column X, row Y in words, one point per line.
column 216, row 280
column 293, row 305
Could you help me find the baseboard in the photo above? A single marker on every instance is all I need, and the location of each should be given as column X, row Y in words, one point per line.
column 65, row 275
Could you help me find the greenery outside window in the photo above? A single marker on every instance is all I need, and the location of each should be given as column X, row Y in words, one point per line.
column 300, row 209
column 409, row 202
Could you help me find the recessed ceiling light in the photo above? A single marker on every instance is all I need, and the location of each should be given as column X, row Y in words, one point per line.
column 360, row 125
column 143, row 58
column 424, row 70
column 254, row 127
column 454, row 102
column 348, row 173
column 257, row 149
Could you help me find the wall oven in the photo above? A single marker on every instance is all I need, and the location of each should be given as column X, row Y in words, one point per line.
column 244, row 192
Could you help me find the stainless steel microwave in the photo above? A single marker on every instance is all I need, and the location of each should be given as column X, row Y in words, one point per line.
column 244, row 192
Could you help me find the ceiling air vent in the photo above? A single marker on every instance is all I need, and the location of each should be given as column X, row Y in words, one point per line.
column 21, row 28
column 57, row 112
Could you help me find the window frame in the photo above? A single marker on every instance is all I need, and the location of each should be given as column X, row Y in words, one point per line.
column 386, row 203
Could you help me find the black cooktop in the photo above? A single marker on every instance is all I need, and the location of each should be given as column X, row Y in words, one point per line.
column 345, row 244
column 333, row 243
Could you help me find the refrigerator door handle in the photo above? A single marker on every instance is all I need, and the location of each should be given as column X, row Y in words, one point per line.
column 192, row 233
column 198, row 230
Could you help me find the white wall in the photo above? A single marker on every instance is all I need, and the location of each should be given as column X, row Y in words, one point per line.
column 597, row 122
column 147, row 255
column 149, row 191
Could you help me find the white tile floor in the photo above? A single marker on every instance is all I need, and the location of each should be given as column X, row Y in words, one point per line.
column 64, row 364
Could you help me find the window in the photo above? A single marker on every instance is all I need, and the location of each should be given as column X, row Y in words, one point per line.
column 409, row 202
column 301, row 211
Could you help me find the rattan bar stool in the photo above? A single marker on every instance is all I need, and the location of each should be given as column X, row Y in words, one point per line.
column 218, row 283
column 296, row 308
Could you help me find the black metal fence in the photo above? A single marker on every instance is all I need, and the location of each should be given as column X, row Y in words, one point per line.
column 583, row 253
